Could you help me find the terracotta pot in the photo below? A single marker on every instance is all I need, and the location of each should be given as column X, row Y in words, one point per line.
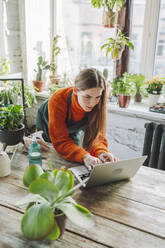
column 124, row 101
column 38, row 85
column 55, row 79
column 109, row 19
column 138, row 97
column 61, row 221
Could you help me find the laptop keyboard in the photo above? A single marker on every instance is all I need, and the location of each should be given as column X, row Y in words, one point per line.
column 84, row 176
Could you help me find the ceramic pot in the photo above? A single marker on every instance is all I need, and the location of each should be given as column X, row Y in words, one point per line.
column 138, row 97
column 124, row 101
column 55, row 79
column 38, row 86
column 12, row 137
column 153, row 99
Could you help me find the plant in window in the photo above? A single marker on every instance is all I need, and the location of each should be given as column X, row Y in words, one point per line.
column 42, row 65
column 154, row 89
column 115, row 46
column 4, row 66
column 155, row 85
column 110, row 8
column 49, row 203
column 123, row 87
column 54, row 78
column 140, row 86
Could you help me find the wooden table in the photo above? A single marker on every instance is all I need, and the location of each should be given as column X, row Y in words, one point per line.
column 127, row 214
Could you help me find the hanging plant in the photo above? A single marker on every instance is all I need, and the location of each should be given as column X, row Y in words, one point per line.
column 110, row 8
column 116, row 46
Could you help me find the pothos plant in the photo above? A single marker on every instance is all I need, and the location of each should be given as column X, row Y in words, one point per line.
column 115, row 46
column 50, row 197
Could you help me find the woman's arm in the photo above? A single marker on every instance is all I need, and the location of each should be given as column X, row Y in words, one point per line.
column 58, row 132
column 100, row 145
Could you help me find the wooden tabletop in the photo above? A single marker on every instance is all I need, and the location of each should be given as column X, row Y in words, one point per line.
column 127, row 214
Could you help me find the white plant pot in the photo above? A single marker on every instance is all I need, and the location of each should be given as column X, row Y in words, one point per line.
column 153, row 99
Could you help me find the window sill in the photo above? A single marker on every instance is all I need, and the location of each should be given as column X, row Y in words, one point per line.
column 137, row 110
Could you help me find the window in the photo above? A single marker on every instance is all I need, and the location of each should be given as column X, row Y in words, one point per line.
column 84, row 34
column 159, row 67
column 137, row 32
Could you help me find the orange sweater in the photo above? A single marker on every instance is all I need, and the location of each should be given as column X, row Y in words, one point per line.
column 63, row 144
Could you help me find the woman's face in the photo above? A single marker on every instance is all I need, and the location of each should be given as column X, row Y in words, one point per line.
column 88, row 99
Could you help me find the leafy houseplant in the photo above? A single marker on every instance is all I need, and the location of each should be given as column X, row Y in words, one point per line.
column 123, row 87
column 110, row 8
column 49, row 199
column 155, row 86
column 140, row 86
column 154, row 89
column 116, row 46
column 11, row 126
column 55, row 51
column 41, row 66
column 13, row 95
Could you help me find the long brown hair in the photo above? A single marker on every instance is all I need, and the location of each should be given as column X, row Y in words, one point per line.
column 87, row 79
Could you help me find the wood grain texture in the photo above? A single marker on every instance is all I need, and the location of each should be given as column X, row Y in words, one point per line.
column 11, row 236
column 127, row 214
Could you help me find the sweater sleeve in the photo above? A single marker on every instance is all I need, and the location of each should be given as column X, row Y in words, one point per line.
column 99, row 145
column 63, row 144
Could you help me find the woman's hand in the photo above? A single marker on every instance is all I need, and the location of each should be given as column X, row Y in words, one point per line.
column 107, row 157
column 90, row 161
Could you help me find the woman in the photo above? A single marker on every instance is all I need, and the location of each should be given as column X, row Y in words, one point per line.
column 77, row 117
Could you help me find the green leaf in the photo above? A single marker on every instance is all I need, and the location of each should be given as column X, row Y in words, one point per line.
column 31, row 198
column 37, row 222
column 64, row 180
column 55, row 233
column 31, row 173
column 77, row 214
column 115, row 53
column 48, row 175
column 44, row 188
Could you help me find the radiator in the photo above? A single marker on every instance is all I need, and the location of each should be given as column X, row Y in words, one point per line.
column 154, row 145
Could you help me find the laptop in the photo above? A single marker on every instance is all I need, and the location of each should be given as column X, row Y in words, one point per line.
column 107, row 172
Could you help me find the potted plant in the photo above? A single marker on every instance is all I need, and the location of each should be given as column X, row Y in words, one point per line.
column 110, row 8
column 11, row 126
column 154, row 89
column 54, row 78
column 41, row 66
column 116, row 46
column 123, row 87
column 49, row 203
column 140, row 86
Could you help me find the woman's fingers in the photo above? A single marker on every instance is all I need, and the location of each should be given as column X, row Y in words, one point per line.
column 107, row 157
column 90, row 161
